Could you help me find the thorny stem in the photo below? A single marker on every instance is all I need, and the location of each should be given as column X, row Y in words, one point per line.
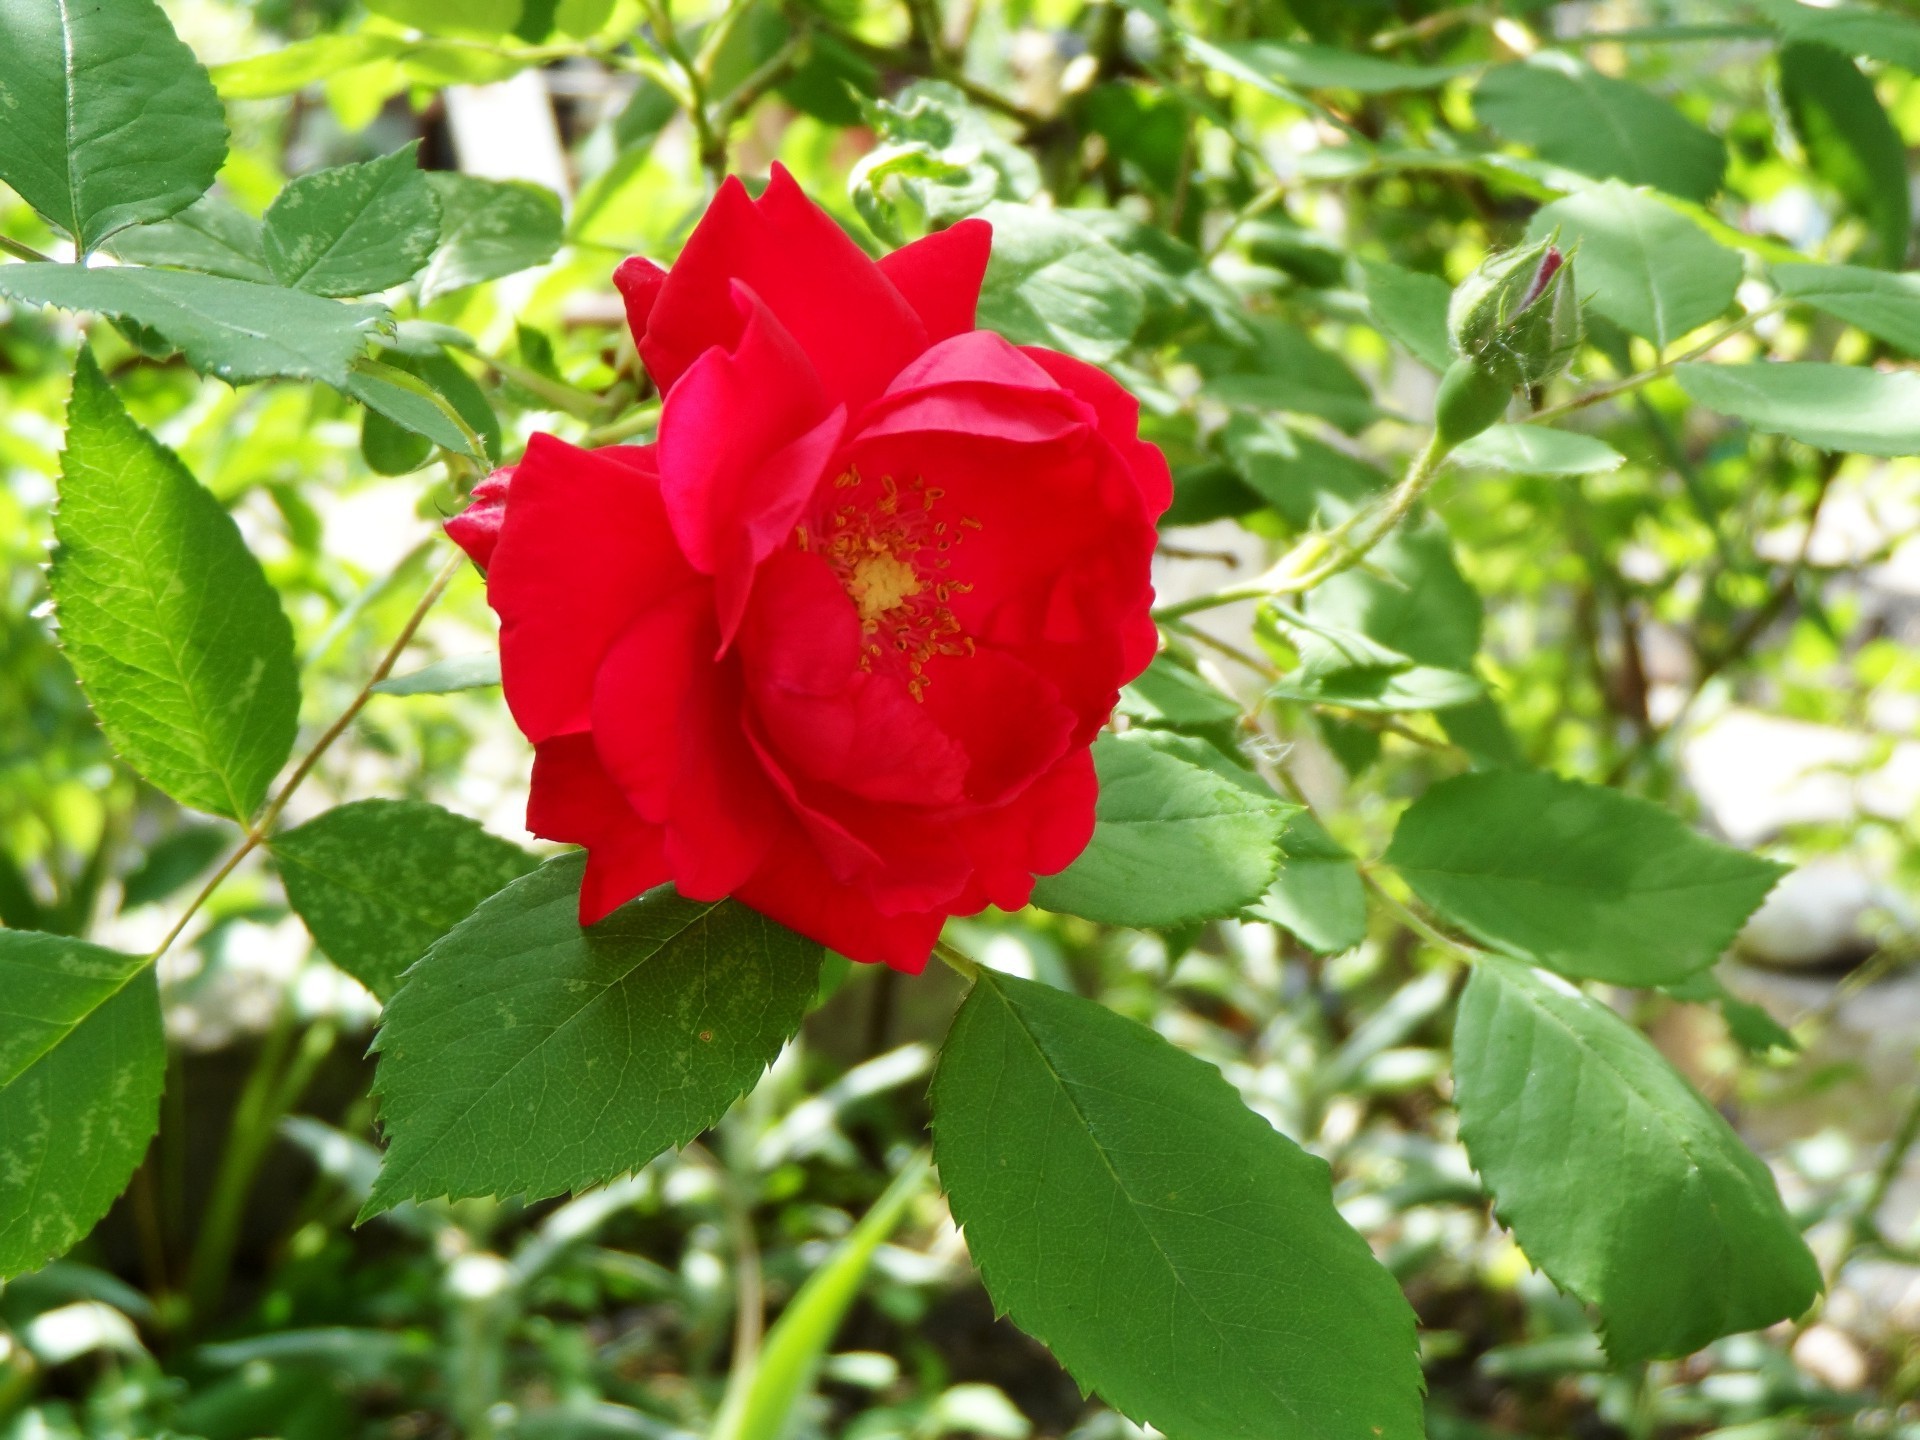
column 1635, row 381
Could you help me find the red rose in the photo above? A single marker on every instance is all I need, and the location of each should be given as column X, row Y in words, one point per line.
column 837, row 645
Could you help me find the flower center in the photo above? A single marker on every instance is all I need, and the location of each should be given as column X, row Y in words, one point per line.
column 889, row 546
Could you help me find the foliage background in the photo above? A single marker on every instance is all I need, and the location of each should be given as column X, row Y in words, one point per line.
column 1724, row 621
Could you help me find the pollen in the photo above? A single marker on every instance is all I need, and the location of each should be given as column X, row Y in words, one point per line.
column 888, row 542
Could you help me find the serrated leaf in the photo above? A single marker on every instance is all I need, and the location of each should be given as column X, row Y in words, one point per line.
column 1831, row 407
column 1850, row 143
column 75, row 1123
column 168, row 620
column 1579, row 878
column 110, row 121
column 229, row 328
column 403, row 397
column 1643, row 265
column 378, row 881
column 1180, row 834
column 1884, row 305
column 525, row 1055
column 1168, row 697
column 1538, row 450
column 444, row 677
column 1318, row 896
column 1412, row 308
column 1173, row 1250
column 48, row 985
column 1052, row 281
column 489, row 228
column 354, row 229
column 210, row 236
column 1600, row 126
column 1617, row 1179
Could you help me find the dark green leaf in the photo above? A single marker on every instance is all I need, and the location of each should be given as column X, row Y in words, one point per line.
column 171, row 862
column 1884, row 305
column 210, row 236
column 75, row 1123
column 1411, row 598
column 1850, row 29
column 1181, row 833
column 1318, row 896
column 177, row 637
column 526, row 1055
column 1600, row 126
column 1305, row 480
column 489, row 228
column 1582, row 879
column 49, row 984
column 1832, row 407
column 1051, row 281
column 1287, row 370
column 110, row 121
column 378, row 881
column 1172, row 1249
column 1412, row 308
column 1642, row 264
column 228, row 328
column 354, row 229
column 1850, row 143
column 1618, row 1180
column 1172, row 698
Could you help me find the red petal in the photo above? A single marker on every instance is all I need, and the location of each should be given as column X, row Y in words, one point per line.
column 1119, row 416
column 584, row 548
column 940, row 276
column 476, row 529
column 639, row 282
column 573, row 799
column 1040, row 833
column 845, row 313
column 795, row 889
column 1007, row 717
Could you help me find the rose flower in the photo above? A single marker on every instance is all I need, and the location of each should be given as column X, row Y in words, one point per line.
column 837, row 644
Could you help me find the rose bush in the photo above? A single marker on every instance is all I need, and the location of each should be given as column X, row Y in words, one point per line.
column 837, row 644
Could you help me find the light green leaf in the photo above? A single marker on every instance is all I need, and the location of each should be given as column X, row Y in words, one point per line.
column 48, row 985
column 489, row 228
column 408, row 401
column 527, row 1055
column 1278, row 67
column 110, row 121
column 1180, row 834
column 1618, row 1180
column 1831, row 407
column 1384, row 689
column 75, row 1123
column 1642, row 264
column 1584, row 880
column 378, row 881
column 169, row 622
column 1052, row 281
column 1600, row 126
column 1538, row 450
column 1174, row 1251
column 1306, row 480
column 1169, row 697
column 1884, row 305
column 354, row 229
column 1850, row 29
column 1288, row 370
column 488, row 19
column 1850, row 143
column 1318, row 896
column 444, row 677
column 210, row 236
column 1410, row 599
column 1412, row 308
column 303, row 63
column 229, row 328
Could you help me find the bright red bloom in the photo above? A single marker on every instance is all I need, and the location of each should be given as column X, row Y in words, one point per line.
column 837, row 645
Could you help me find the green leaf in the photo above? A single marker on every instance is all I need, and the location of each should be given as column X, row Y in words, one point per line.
column 1318, row 896
column 444, row 677
column 1288, row 370
column 1411, row 599
column 1619, row 1181
column 48, row 985
column 487, row 19
column 398, row 390
column 1885, row 306
column 489, row 228
column 1168, row 697
column 229, row 328
column 305, row 62
column 1585, row 880
column 354, row 229
column 1850, row 143
column 110, row 121
column 378, row 881
column 1643, row 265
column 1384, row 689
column 1280, row 68
column 169, row 622
column 1180, row 834
column 1850, row 29
column 210, row 236
column 527, row 1055
column 1607, row 128
column 1305, row 480
column 1538, row 450
column 1831, row 407
column 75, row 1122
column 1173, row 1250
column 1052, row 281
column 1412, row 308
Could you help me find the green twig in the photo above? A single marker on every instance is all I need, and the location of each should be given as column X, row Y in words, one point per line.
column 24, row 252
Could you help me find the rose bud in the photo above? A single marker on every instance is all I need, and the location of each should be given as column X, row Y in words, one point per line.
column 838, row 643
column 1518, row 315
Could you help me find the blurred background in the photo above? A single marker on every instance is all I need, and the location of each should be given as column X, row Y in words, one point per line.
column 1727, row 624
